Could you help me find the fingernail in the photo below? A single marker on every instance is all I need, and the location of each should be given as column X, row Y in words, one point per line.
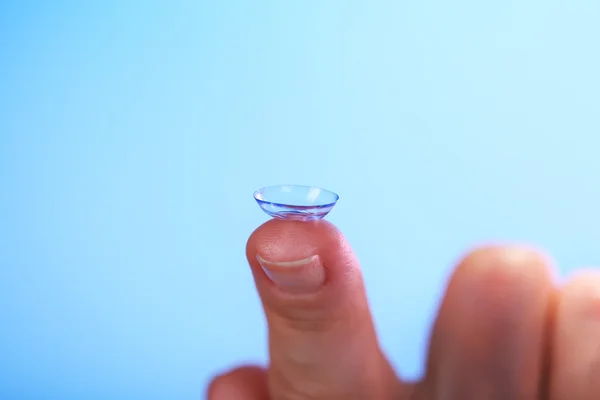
column 304, row 275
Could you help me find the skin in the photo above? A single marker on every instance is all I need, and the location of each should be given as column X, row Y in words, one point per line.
column 504, row 329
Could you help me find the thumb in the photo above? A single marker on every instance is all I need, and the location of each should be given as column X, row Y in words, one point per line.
column 322, row 341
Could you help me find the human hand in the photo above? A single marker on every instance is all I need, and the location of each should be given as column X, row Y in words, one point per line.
column 504, row 331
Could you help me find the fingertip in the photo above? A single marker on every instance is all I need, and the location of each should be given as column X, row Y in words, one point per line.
column 244, row 383
column 505, row 265
column 282, row 241
column 581, row 294
column 584, row 279
column 283, row 249
column 502, row 281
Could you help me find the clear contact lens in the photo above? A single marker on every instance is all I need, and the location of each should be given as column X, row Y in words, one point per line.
column 296, row 202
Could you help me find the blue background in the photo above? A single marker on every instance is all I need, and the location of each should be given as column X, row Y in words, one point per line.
column 132, row 135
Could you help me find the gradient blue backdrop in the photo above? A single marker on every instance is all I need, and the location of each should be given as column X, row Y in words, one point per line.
column 132, row 135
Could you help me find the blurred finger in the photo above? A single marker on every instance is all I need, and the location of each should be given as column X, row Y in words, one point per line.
column 576, row 346
column 489, row 338
column 245, row 383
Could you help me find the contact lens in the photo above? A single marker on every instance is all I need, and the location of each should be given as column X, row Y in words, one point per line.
column 296, row 202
